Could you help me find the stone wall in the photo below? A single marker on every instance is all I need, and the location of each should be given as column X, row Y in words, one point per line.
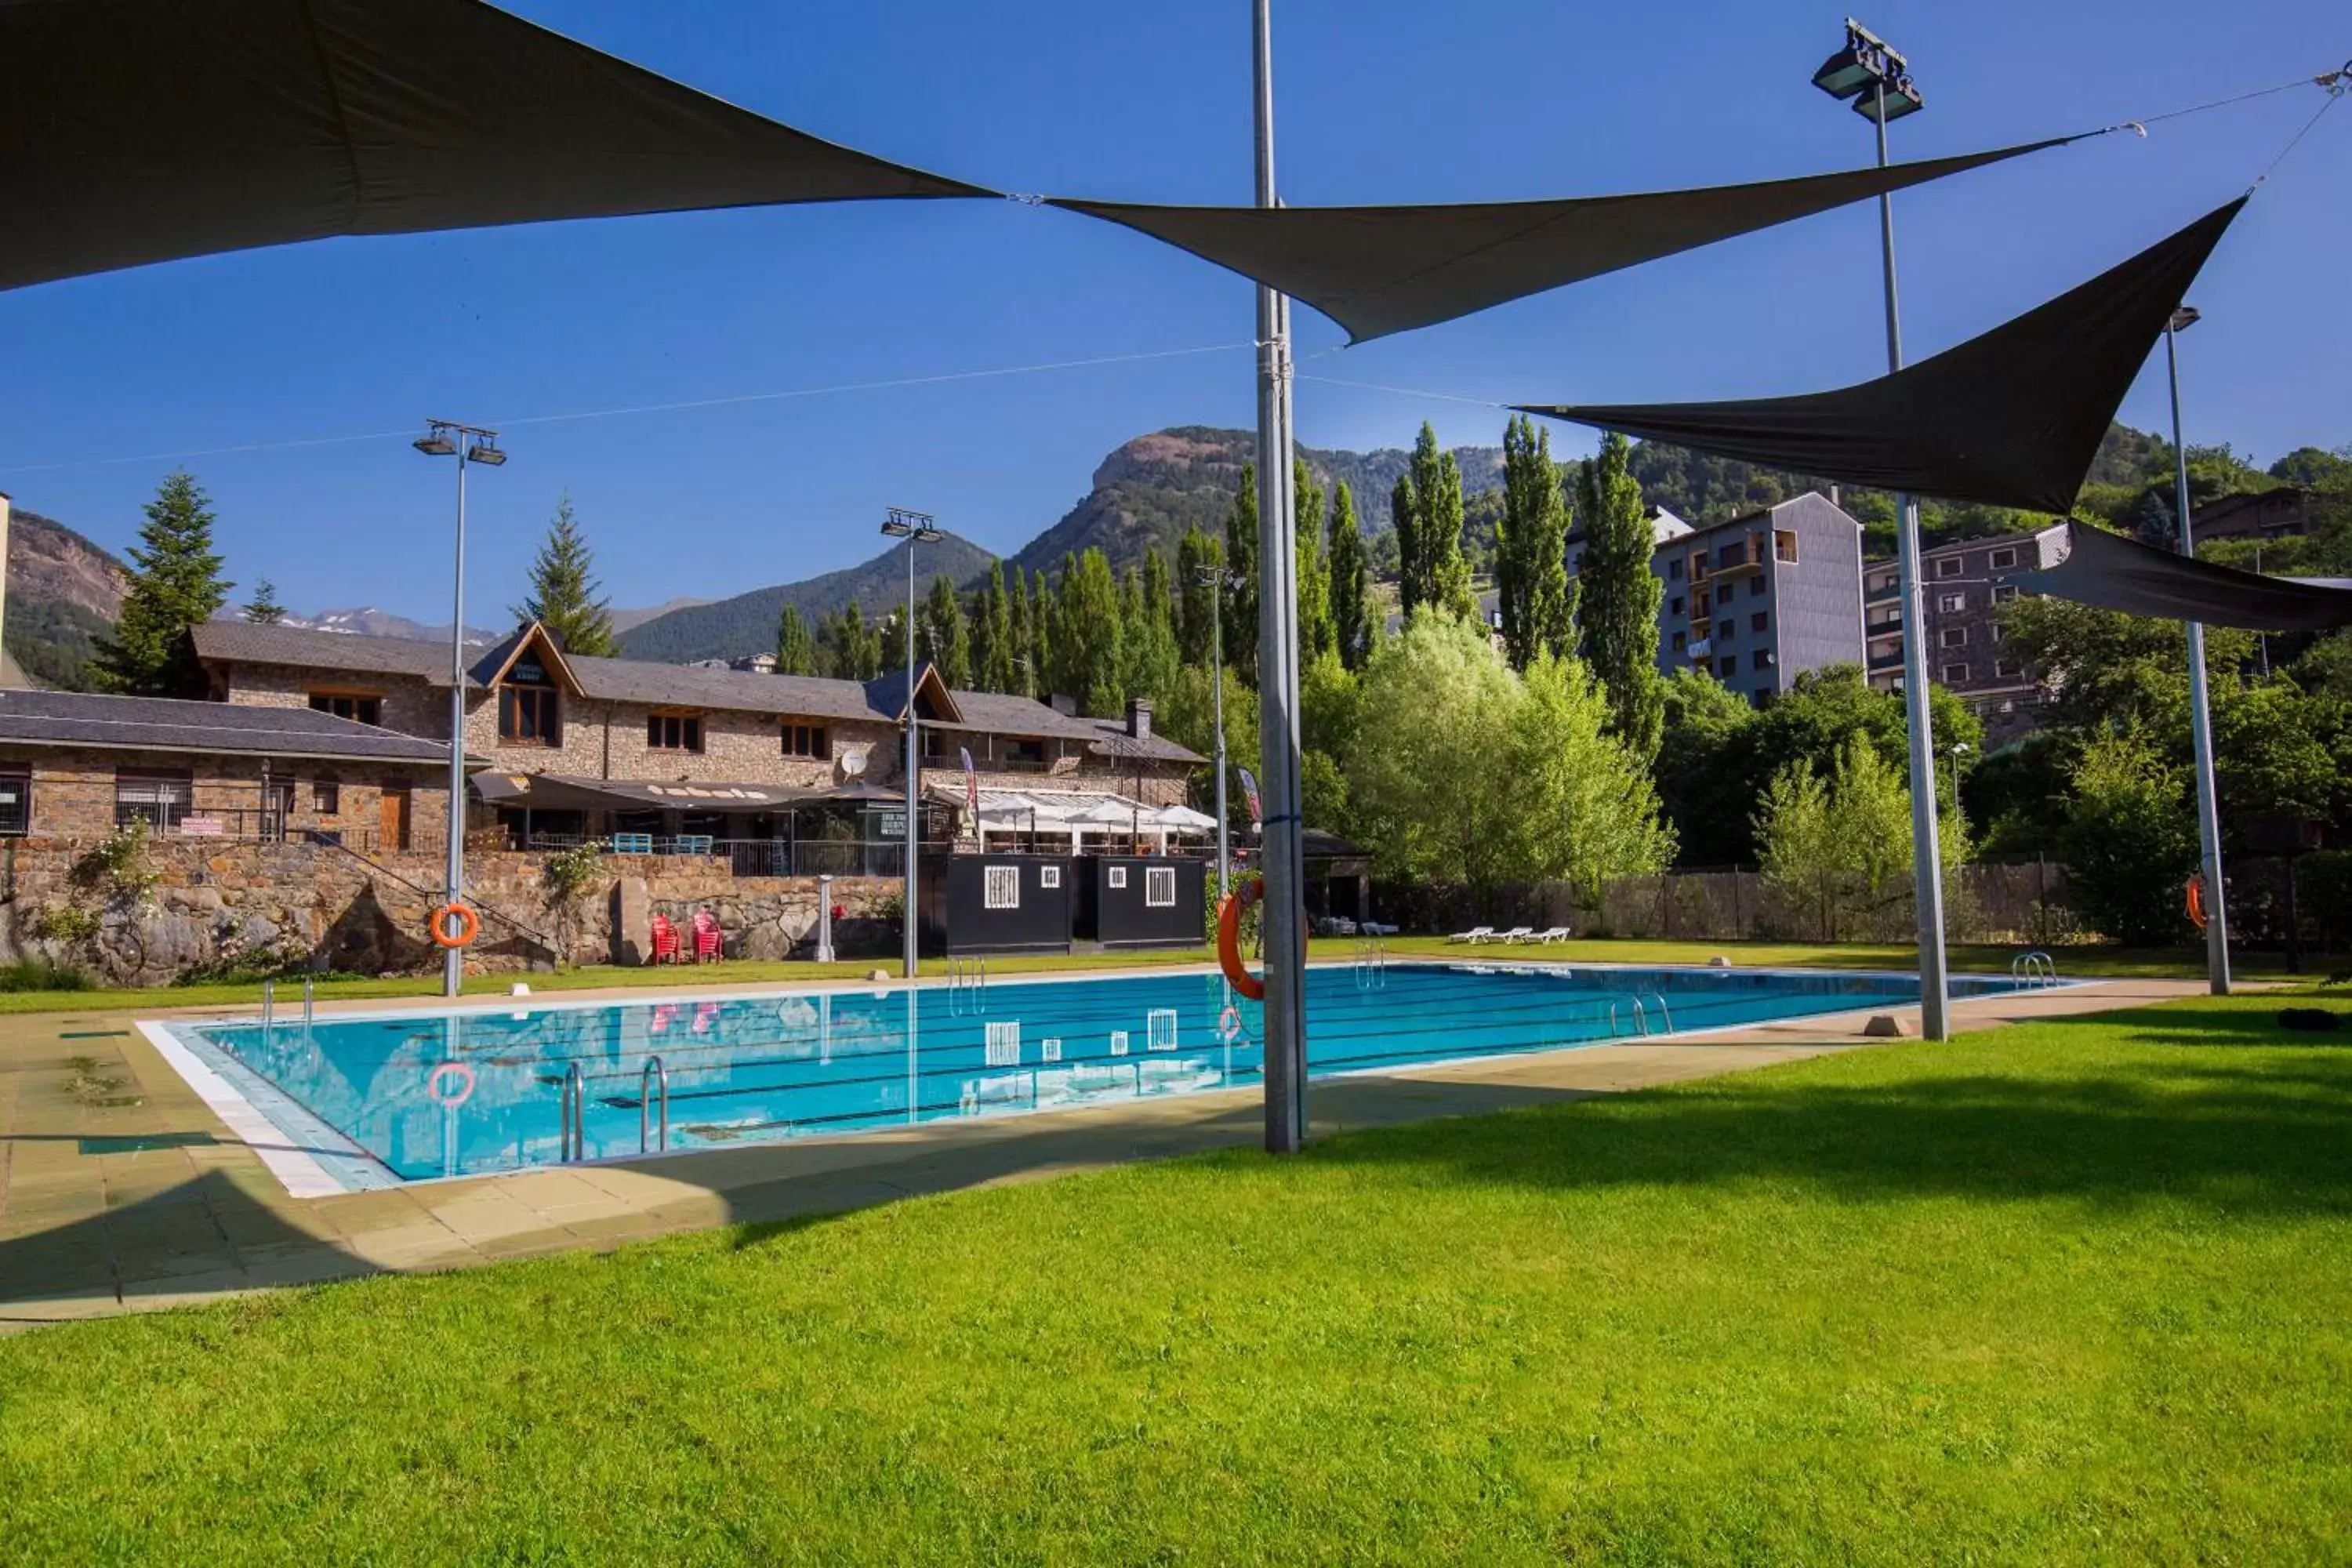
column 217, row 904
column 73, row 790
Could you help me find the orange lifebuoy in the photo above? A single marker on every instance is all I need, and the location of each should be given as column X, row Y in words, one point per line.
column 469, row 925
column 1229, row 938
column 2196, row 897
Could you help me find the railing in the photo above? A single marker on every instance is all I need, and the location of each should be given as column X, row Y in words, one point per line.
column 654, row 1076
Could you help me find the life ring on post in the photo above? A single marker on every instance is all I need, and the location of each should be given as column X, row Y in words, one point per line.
column 1229, row 938
column 469, row 925
column 2196, row 901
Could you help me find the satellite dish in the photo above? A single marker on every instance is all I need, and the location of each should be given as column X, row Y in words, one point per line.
column 853, row 764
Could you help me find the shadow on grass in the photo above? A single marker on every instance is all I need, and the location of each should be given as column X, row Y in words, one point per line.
column 2210, row 1125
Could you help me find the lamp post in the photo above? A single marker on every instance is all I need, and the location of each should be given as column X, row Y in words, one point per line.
column 2200, row 713
column 468, row 443
column 1214, row 577
column 1878, row 80
column 1960, row 749
column 915, row 527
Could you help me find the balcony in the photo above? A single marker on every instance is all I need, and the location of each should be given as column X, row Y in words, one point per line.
column 1872, row 596
column 1890, row 659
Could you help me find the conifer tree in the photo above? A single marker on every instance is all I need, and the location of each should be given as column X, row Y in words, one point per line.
column 1199, row 559
column 1617, row 608
column 1316, row 633
column 175, row 585
column 943, row 638
column 263, row 609
column 1239, row 584
column 1352, row 632
column 1404, row 514
column 563, row 596
column 795, row 651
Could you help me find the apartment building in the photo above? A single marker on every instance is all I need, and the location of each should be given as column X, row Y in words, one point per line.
column 1754, row 600
column 1961, row 586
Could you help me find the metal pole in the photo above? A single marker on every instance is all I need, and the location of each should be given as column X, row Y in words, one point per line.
column 911, row 759
column 1927, row 861
column 1286, row 955
column 1217, row 673
column 453, row 960
column 2200, row 714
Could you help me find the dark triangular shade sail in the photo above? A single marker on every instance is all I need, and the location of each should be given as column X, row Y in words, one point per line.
column 142, row 131
column 2010, row 418
column 1377, row 270
column 2112, row 572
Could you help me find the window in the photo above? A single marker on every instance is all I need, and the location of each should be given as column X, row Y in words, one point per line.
column 936, row 748
column 1956, row 675
column 2003, row 595
column 1760, row 659
column 1948, row 566
column 1953, row 636
column 158, row 799
column 2003, row 559
column 1049, row 875
column 1948, row 604
column 1680, row 639
column 1784, row 545
column 359, row 709
column 808, row 740
column 674, row 732
column 1677, row 608
column 326, row 796
column 1757, row 586
column 1674, row 571
column 527, row 716
column 1728, row 666
column 1026, row 756
column 1114, row 876
column 1759, row 622
column 2004, row 670
column 1000, row 889
column 16, row 805
column 1728, row 631
column 1160, row 887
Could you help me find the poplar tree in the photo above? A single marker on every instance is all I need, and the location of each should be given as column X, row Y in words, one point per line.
column 853, row 648
column 795, row 650
column 1238, row 585
column 1352, row 632
column 175, row 585
column 1199, row 556
column 1443, row 574
column 1537, row 599
column 943, row 638
column 1315, row 634
column 263, row 609
column 1041, row 637
column 563, row 596
column 1019, row 640
column 1152, row 658
column 1617, row 610
column 1087, row 634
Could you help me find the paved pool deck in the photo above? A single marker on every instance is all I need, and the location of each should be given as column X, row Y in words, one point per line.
column 121, row 1190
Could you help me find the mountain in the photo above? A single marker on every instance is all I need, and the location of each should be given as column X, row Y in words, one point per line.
column 626, row 621
column 64, row 593
column 746, row 623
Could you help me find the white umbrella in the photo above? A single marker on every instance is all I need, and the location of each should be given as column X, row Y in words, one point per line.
column 1181, row 817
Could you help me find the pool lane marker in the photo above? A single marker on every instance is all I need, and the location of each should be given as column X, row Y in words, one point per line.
column 302, row 1176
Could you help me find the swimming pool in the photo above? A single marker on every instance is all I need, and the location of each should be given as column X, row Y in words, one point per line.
column 375, row 1098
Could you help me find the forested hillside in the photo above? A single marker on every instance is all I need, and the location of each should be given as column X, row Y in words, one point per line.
column 746, row 623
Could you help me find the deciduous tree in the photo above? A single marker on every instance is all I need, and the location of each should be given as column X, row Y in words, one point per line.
column 1618, row 596
column 1352, row 627
column 795, row 649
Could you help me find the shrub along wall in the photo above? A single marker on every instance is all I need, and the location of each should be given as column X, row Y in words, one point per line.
column 192, row 908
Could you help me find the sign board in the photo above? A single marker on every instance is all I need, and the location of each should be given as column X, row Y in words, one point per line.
column 202, row 826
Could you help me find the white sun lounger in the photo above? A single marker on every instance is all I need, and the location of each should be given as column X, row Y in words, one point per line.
column 1475, row 935
column 1517, row 933
column 1555, row 934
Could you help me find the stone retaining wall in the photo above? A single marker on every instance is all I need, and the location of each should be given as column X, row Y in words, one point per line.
column 213, row 905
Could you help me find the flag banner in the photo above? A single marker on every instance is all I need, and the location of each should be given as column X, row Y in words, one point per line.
column 1249, row 792
column 970, row 781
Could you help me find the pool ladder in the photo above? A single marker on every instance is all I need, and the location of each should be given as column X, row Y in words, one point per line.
column 1640, row 1013
column 573, row 1136
column 2034, row 967
column 966, row 974
column 1372, row 964
column 655, row 1079
column 269, row 1001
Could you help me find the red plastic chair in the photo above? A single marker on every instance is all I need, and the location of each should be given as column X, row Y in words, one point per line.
column 706, row 937
column 665, row 943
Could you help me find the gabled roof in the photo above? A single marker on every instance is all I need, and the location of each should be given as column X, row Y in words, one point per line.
column 887, row 693
column 169, row 724
column 242, row 642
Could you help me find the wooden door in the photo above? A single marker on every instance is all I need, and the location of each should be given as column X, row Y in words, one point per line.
column 395, row 815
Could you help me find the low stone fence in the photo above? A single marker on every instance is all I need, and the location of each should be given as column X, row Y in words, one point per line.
column 190, row 909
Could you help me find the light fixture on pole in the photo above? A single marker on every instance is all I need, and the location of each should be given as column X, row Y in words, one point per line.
column 1959, row 750
column 2200, row 712
column 915, row 527
column 1879, row 80
column 1215, row 579
column 441, row 439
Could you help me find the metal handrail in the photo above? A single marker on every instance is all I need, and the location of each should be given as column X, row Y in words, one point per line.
column 1663, row 1011
column 573, row 1137
column 1641, row 1015
column 655, row 1076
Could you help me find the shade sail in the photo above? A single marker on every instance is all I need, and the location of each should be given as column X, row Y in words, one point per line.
column 2011, row 418
column 142, row 131
column 2112, row 572
column 1377, row 270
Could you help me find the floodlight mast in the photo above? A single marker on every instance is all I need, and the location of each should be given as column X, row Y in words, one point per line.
column 1278, row 655
column 1879, row 80
column 915, row 527
column 2201, row 712
column 442, row 439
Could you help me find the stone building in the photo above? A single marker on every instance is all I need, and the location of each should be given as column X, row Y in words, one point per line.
column 574, row 746
column 1961, row 586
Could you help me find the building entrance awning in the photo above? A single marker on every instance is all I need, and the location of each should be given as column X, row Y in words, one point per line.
column 557, row 791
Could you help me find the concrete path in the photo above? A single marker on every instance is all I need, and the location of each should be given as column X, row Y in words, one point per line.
column 121, row 1190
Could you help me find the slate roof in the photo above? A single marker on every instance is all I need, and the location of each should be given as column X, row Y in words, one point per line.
column 877, row 702
column 169, row 724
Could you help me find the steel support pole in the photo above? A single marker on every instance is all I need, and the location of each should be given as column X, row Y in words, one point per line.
column 1286, row 940
column 453, row 960
column 1927, row 860
column 1217, row 674
column 913, row 761
column 2201, row 715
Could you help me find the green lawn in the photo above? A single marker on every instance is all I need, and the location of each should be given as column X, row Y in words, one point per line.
column 2135, row 962
column 2066, row 1292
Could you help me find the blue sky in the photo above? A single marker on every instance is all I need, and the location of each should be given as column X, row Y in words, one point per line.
column 1503, row 99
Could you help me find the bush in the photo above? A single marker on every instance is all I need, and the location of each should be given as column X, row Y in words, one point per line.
column 40, row 975
column 68, row 925
column 2130, row 842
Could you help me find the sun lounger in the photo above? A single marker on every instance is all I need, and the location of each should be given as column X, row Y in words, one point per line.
column 1374, row 928
column 1517, row 933
column 1475, row 935
column 1552, row 934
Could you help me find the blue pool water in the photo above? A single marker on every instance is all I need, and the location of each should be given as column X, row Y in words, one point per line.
column 776, row 1067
